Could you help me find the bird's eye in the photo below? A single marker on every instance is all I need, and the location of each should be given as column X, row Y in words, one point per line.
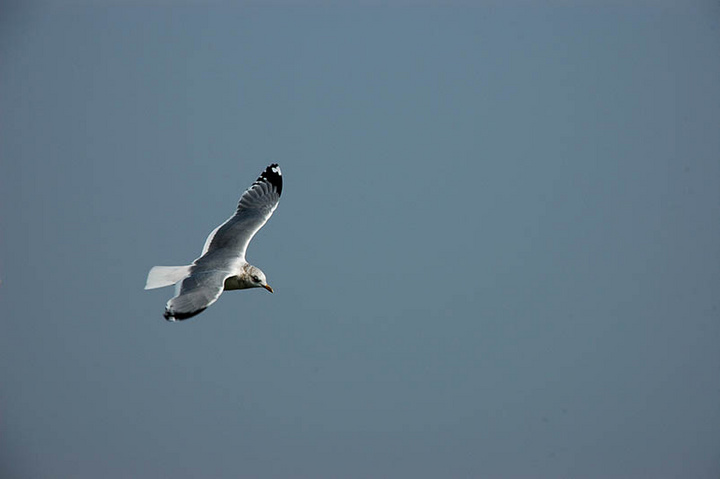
column 256, row 279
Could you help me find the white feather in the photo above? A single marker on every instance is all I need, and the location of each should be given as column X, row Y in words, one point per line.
column 161, row 276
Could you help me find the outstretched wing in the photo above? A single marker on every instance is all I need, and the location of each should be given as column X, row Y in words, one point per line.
column 255, row 207
column 196, row 292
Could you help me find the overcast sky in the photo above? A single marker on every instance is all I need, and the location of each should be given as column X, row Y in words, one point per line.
column 497, row 254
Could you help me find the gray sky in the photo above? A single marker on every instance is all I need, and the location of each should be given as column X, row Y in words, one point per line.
column 497, row 253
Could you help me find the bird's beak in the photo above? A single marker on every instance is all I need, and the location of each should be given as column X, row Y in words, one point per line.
column 267, row 286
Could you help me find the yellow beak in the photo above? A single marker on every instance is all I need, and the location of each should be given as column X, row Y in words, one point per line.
column 267, row 286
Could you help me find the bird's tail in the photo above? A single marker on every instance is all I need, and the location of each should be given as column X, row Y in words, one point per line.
column 161, row 276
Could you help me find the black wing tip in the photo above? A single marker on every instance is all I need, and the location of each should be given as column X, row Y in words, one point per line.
column 175, row 316
column 272, row 175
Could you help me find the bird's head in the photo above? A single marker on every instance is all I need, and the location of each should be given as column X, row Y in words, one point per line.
column 257, row 278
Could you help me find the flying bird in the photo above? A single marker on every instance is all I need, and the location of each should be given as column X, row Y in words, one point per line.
column 222, row 266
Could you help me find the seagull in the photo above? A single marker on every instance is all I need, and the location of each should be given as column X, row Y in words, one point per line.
column 222, row 266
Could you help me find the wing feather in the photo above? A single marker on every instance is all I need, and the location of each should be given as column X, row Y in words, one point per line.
column 255, row 207
column 197, row 292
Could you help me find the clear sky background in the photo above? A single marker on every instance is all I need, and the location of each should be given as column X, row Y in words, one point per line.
column 497, row 253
